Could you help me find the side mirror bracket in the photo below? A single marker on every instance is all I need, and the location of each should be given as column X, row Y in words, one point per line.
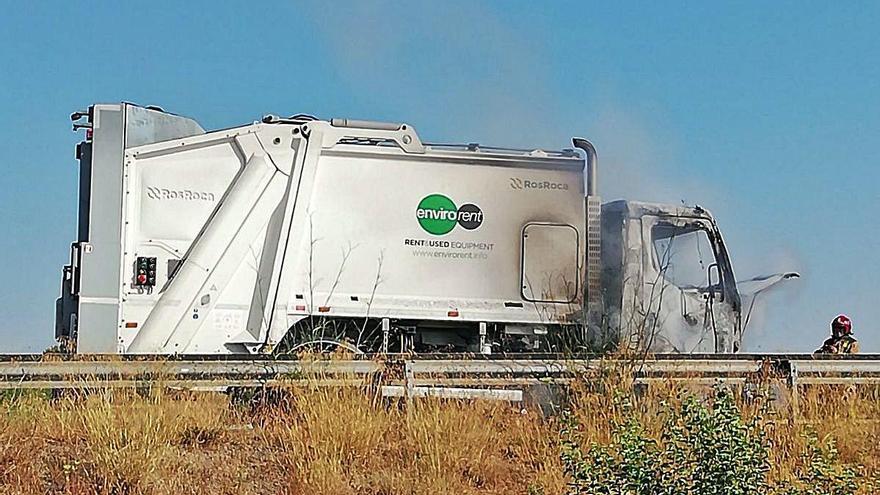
column 717, row 285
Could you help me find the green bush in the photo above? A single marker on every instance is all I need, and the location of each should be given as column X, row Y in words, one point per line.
column 705, row 447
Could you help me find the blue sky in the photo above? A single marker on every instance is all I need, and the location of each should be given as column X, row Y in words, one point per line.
column 767, row 114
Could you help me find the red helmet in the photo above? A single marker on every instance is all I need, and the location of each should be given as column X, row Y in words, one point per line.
column 841, row 325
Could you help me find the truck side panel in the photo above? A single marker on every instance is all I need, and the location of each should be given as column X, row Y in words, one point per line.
column 211, row 220
column 365, row 251
column 171, row 193
column 99, row 268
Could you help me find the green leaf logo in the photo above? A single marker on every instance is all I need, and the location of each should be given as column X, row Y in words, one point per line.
column 437, row 214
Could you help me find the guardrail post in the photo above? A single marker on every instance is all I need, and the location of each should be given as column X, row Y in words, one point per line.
column 386, row 330
column 409, row 379
column 793, row 387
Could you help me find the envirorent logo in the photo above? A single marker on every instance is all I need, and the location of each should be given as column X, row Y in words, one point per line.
column 438, row 215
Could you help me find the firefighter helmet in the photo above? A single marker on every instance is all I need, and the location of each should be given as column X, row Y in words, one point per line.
column 841, row 325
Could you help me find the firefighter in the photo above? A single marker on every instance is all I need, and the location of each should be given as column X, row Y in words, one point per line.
column 841, row 341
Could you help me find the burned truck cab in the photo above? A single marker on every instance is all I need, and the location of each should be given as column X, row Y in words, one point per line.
column 668, row 285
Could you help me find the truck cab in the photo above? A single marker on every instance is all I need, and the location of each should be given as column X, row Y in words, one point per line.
column 668, row 281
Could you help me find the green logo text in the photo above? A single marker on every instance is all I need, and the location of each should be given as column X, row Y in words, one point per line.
column 438, row 215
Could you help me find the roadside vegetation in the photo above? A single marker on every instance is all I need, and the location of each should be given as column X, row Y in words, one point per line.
column 610, row 439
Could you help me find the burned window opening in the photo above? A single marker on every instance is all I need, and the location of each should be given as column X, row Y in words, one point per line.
column 683, row 255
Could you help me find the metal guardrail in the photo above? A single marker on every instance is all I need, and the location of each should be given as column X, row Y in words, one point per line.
column 501, row 377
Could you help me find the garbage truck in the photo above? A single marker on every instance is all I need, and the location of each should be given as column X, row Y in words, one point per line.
column 297, row 233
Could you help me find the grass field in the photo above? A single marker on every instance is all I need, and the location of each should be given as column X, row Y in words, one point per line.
column 342, row 441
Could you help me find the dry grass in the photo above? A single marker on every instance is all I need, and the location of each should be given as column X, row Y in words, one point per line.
column 342, row 441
